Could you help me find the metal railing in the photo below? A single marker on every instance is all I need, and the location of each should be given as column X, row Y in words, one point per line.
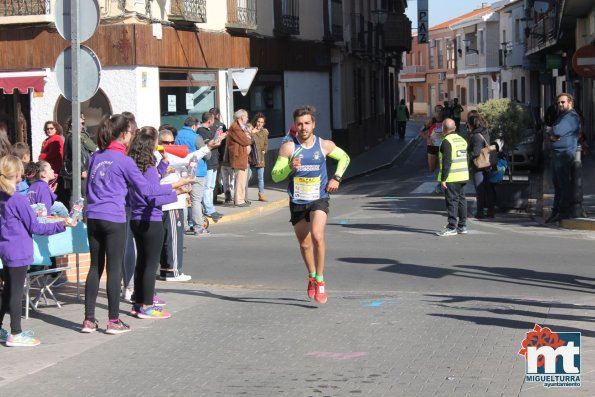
column 241, row 14
column 471, row 60
column 287, row 17
column 12, row 8
column 413, row 69
column 188, row 10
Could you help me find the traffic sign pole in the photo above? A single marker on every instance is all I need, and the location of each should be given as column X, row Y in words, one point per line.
column 75, row 45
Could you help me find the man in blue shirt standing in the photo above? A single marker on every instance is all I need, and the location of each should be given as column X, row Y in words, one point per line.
column 564, row 139
column 188, row 136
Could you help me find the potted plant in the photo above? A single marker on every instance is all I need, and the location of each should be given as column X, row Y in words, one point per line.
column 507, row 121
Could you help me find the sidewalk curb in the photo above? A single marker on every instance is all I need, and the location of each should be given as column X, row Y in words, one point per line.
column 252, row 212
column 578, row 224
column 387, row 165
column 256, row 211
column 573, row 223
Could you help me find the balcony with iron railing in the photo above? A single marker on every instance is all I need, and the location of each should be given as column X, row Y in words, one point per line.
column 357, row 37
column 413, row 69
column 287, row 17
column 543, row 31
column 241, row 14
column 194, row 11
column 472, row 59
column 333, row 20
column 25, row 11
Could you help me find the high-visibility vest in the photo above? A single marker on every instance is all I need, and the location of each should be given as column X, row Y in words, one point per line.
column 459, row 170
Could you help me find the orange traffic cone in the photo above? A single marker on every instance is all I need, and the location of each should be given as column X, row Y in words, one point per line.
column 177, row 150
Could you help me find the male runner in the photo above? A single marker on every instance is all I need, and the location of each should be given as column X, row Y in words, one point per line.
column 304, row 162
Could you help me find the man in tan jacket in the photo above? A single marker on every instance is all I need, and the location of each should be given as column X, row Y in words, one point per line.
column 237, row 146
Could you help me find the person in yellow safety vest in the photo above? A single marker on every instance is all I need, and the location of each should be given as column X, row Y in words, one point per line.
column 453, row 175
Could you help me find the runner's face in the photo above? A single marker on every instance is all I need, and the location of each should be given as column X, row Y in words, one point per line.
column 305, row 126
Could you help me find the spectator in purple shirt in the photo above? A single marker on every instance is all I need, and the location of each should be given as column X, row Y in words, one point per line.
column 111, row 174
column 146, row 223
column 17, row 224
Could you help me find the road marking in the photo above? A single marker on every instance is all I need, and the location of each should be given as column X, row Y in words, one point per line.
column 428, row 188
column 278, row 234
column 374, row 232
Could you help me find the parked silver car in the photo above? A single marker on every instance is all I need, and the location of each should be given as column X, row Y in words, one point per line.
column 529, row 152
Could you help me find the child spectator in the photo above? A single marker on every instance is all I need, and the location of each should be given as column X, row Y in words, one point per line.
column 17, row 224
column 21, row 150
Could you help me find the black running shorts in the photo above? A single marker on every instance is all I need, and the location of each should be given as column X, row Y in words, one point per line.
column 302, row 211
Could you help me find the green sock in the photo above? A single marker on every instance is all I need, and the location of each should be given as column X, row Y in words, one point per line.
column 319, row 278
column 312, row 275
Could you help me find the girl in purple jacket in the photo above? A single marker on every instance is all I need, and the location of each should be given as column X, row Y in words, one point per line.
column 17, row 224
column 146, row 223
column 111, row 174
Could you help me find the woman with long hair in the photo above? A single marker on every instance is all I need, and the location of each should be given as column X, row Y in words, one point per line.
column 146, row 223
column 111, row 173
column 261, row 140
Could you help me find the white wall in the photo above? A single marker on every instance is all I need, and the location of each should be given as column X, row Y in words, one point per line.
column 307, row 88
column 122, row 86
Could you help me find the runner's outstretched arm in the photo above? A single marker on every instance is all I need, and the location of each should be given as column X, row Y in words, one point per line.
column 342, row 158
column 281, row 170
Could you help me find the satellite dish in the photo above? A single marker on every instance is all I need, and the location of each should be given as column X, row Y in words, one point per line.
column 88, row 18
column 89, row 73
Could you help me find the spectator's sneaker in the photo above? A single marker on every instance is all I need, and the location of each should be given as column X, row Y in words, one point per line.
column 152, row 312
column 320, row 294
column 61, row 280
column 178, row 277
column 133, row 311
column 24, row 339
column 203, row 232
column 190, row 232
column 127, row 295
column 89, row 326
column 447, row 232
column 462, row 230
column 3, row 335
column 311, row 288
column 157, row 301
column 116, row 327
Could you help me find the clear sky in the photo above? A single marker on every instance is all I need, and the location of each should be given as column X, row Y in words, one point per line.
column 443, row 10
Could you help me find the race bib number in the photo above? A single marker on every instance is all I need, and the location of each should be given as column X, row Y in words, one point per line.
column 307, row 189
column 437, row 136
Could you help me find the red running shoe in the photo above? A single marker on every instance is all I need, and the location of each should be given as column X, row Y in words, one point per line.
column 320, row 295
column 311, row 287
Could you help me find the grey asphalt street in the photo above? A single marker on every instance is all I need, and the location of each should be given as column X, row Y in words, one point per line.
column 409, row 313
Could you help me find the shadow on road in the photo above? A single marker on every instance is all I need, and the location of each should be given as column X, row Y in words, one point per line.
column 517, row 276
column 268, row 301
column 383, row 227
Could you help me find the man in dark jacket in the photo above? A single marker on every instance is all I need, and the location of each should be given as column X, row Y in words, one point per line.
column 564, row 137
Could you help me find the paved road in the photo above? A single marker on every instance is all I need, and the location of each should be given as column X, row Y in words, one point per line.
column 409, row 313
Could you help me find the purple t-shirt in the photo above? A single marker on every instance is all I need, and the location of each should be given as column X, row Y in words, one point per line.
column 17, row 225
column 110, row 175
column 40, row 192
column 149, row 209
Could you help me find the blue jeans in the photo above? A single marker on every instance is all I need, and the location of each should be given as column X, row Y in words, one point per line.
column 260, row 173
column 207, row 198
